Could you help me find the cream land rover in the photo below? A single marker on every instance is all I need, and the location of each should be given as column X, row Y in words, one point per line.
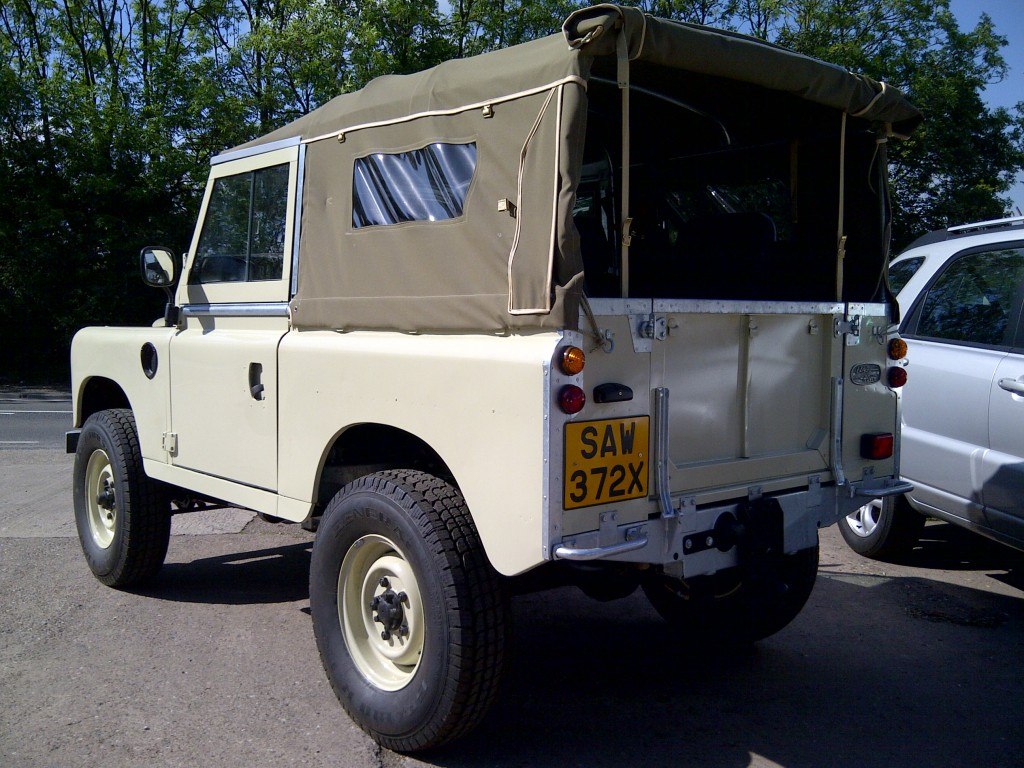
column 608, row 308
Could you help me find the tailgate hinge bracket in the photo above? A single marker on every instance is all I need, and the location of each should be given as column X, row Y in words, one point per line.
column 170, row 443
column 849, row 328
column 654, row 327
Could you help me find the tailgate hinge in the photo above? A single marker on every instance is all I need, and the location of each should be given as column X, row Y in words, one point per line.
column 654, row 327
column 850, row 328
column 171, row 443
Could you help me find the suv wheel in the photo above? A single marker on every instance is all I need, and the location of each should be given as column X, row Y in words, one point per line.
column 409, row 616
column 883, row 528
column 123, row 517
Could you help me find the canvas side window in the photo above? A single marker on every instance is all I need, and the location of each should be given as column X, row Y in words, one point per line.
column 428, row 184
column 243, row 233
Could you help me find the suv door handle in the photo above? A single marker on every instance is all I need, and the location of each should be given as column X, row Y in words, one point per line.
column 1012, row 385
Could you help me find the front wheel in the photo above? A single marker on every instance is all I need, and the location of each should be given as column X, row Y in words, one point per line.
column 409, row 616
column 123, row 517
column 883, row 528
column 731, row 608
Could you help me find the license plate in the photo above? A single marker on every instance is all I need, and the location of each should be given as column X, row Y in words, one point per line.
column 606, row 461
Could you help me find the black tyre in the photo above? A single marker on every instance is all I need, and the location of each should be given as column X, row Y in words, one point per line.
column 883, row 529
column 123, row 517
column 409, row 616
column 730, row 608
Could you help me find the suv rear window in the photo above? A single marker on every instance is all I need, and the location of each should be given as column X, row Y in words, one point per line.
column 900, row 274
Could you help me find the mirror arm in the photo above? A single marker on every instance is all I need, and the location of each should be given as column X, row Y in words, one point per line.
column 172, row 313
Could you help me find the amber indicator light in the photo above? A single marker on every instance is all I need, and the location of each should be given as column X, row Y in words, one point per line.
column 573, row 361
column 897, row 349
column 571, row 399
column 897, row 376
column 876, row 445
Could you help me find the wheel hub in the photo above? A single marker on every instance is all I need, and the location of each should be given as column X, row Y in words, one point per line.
column 388, row 611
column 101, row 499
column 381, row 612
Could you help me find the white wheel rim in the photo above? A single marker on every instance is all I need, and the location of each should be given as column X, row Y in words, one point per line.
column 100, row 499
column 865, row 520
column 389, row 662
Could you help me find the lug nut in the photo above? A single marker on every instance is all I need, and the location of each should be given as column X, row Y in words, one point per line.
column 384, row 582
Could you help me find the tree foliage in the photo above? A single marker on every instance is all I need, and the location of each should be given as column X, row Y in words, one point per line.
column 111, row 109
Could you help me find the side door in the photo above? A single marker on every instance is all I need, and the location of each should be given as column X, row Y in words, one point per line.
column 1002, row 472
column 224, row 394
column 959, row 329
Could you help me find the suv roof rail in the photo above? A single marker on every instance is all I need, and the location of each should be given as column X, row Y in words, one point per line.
column 990, row 224
column 941, row 235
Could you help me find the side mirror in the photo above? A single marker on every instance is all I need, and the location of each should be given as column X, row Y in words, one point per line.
column 160, row 270
column 159, row 266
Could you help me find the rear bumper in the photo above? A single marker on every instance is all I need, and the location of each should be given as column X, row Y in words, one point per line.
column 700, row 539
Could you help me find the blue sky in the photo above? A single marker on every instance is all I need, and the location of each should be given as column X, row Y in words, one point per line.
column 1008, row 16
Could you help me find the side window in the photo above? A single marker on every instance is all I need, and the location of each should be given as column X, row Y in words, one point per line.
column 900, row 274
column 428, row 184
column 972, row 300
column 243, row 233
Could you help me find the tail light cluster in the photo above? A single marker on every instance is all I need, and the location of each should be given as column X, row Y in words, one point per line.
column 572, row 398
column 897, row 374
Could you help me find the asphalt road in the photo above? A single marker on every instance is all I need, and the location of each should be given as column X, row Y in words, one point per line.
column 909, row 664
column 38, row 420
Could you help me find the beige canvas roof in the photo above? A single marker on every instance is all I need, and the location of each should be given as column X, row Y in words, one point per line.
column 525, row 109
column 589, row 33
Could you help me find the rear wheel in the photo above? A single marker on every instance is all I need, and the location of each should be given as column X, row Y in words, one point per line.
column 409, row 616
column 883, row 528
column 123, row 517
column 731, row 608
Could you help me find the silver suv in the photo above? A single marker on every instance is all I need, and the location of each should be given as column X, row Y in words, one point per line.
column 960, row 292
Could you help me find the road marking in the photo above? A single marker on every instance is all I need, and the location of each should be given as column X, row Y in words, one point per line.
column 15, row 413
column 19, row 442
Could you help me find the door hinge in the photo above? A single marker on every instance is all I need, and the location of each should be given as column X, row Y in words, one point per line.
column 850, row 328
column 171, row 443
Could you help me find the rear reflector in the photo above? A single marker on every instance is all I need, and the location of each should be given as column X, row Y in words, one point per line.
column 876, row 445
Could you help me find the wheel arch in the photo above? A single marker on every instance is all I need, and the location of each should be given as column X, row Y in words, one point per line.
column 366, row 447
column 99, row 393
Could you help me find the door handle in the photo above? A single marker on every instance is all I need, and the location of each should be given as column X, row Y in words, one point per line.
column 255, row 383
column 1012, row 385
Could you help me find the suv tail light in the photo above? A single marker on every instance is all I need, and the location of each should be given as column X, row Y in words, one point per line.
column 877, row 445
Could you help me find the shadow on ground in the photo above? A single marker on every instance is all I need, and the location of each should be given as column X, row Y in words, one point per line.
column 843, row 686
column 273, row 575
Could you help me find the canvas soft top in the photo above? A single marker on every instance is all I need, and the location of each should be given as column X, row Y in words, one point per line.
column 525, row 109
column 589, row 33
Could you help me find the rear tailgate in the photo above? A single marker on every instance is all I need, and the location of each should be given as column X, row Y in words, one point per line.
column 760, row 394
column 750, row 387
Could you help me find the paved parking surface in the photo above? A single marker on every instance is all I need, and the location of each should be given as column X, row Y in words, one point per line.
column 911, row 664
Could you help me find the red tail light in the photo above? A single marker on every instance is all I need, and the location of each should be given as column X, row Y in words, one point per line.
column 877, row 445
column 897, row 376
column 571, row 399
